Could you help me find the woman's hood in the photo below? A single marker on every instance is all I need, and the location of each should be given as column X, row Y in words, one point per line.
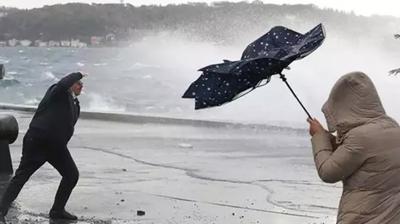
column 353, row 101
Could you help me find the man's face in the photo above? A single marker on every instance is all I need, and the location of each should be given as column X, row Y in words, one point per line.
column 76, row 88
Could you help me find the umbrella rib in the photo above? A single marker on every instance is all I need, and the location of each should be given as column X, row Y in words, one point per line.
column 237, row 97
column 253, row 88
column 282, row 76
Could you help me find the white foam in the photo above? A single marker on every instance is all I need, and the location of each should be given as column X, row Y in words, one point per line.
column 50, row 76
column 185, row 145
column 139, row 65
column 100, row 103
column 12, row 73
column 4, row 60
column 33, row 101
column 100, row 64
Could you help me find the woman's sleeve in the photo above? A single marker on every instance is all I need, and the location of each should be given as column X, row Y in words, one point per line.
column 336, row 165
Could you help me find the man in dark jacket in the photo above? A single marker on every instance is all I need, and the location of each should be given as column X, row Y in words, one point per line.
column 46, row 140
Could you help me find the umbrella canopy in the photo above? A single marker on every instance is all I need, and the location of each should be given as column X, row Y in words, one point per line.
column 266, row 56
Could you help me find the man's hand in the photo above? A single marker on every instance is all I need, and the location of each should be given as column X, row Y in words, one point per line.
column 315, row 126
column 84, row 75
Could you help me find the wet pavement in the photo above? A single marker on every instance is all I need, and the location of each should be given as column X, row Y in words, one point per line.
column 182, row 174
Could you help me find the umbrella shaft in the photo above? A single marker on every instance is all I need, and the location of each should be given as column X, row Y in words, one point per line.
column 282, row 76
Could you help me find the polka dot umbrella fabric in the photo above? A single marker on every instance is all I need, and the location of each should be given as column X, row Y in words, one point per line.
column 266, row 56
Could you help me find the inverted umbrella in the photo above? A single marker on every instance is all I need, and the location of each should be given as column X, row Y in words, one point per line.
column 263, row 58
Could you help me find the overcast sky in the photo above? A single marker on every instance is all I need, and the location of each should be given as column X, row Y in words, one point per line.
column 361, row 7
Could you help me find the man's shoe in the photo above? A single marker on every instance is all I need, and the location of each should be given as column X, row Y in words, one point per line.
column 62, row 215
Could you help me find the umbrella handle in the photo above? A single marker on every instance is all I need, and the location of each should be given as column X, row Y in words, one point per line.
column 282, row 76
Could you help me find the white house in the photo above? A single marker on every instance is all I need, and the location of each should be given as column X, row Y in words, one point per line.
column 12, row 42
column 39, row 43
column 65, row 43
column 53, row 43
column 25, row 43
column 95, row 40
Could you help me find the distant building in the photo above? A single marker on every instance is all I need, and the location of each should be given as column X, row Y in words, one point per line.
column 39, row 43
column 82, row 44
column 77, row 43
column 110, row 37
column 53, row 43
column 25, row 43
column 12, row 42
column 96, row 41
column 65, row 43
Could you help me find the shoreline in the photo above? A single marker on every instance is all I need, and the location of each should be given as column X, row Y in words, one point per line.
column 155, row 119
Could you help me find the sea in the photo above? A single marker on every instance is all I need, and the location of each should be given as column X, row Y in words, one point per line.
column 150, row 76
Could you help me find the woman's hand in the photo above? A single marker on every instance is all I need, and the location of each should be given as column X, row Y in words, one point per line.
column 315, row 126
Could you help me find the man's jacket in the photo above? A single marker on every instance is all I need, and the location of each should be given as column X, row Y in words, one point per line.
column 58, row 112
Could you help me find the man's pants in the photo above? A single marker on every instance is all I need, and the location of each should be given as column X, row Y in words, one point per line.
column 35, row 152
